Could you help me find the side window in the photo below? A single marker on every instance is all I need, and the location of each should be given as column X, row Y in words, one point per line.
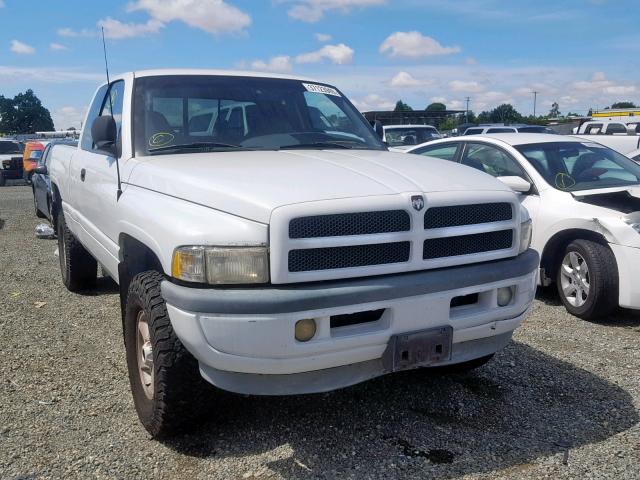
column 491, row 160
column 473, row 131
column 94, row 111
column 44, row 160
column 445, row 151
column 593, row 129
column 113, row 104
column 616, row 128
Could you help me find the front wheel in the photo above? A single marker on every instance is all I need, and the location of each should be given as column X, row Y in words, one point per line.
column 587, row 280
column 165, row 381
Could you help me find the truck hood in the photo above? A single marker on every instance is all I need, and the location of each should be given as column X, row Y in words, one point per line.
column 251, row 184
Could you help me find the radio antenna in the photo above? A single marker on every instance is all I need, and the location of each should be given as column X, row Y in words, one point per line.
column 106, row 68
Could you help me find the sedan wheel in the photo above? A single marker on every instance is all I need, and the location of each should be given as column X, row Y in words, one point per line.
column 575, row 279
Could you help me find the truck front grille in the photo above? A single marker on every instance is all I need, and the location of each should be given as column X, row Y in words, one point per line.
column 341, row 224
column 350, row 256
column 467, row 244
column 458, row 215
column 345, row 238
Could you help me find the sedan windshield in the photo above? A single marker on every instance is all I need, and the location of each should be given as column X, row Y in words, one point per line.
column 574, row 166
column 396, row 137
column 10, row 147
column 204, row 113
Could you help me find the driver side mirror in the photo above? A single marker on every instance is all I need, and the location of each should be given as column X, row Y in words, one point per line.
column 377, row 127
column 41, row 169
column 104, row 134
column 515, row 183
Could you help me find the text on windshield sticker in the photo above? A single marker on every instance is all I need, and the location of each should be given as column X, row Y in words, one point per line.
column 312, row 87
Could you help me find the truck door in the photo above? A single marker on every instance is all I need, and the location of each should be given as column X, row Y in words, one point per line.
column 94, row 175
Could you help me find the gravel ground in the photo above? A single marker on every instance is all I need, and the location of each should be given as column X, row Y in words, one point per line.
column 561, row 401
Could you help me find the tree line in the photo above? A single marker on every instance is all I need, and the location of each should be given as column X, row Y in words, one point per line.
column 23, row 113
column 505, row 113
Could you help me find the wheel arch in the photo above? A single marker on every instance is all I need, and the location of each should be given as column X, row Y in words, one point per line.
column 554, row 248
column 135, row 257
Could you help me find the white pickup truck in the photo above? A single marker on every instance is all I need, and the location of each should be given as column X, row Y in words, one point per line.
column 281, row 249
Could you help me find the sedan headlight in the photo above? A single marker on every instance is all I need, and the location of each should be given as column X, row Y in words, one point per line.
column 525, row 235
column 221, row 265
column 635, row 226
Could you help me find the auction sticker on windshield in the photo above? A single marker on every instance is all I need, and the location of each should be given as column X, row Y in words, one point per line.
column 312, row 87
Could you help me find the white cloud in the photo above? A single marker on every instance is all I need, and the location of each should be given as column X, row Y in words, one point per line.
column 414, row 45
column 21, row 48
column 465, row 86
column 323, row 37
column 373, row 101
column 212, row 16
column 70, row 33
column 313, row 10
column 47, row 75
column 1, row 3
column 57, row 47
column 405, row 79
column 65, row 117
column 118, row 30
column 338, row 54
column 470, row 61
column 280, row 63
column 620, row 89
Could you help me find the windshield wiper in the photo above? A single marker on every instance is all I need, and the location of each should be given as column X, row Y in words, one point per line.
column 195, row 146
column 315, row 145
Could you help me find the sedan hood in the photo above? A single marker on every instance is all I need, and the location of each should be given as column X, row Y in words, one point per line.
column 251, row 184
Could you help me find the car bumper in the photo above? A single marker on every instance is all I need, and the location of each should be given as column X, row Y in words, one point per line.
column 244, row 338
column 628, row 260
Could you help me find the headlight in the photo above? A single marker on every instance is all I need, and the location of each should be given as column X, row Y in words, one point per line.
column 525, row 236
column 635, row 226
column 221, row 265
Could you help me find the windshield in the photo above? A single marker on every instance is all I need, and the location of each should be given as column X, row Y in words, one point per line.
column 196, row 113
column 573, row 166
column 10, row 147
column 409, row 135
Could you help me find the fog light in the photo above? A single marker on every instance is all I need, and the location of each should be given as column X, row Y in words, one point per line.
column 305, row 329
column 505, row 294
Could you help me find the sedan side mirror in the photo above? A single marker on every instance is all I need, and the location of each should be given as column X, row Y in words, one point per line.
column 515, row 183
column 104, row 134
column 41, row 169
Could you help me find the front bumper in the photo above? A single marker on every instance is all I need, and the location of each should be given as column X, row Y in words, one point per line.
column 628, row 260
column 244, row 339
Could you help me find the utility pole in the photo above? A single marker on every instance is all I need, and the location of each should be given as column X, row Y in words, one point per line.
column 535, row 97
column 466, row 112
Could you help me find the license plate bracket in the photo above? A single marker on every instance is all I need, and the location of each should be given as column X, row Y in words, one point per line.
column 418, row 349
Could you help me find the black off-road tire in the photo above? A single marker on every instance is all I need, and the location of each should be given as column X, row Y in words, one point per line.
column 602, row 299
column 78, row 268
column 3, row 181
column 179, row 392
column 463, row 367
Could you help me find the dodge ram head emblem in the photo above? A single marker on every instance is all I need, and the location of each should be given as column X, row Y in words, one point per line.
column 417, row 202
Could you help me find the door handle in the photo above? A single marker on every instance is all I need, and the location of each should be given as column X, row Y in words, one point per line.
column 83, row 173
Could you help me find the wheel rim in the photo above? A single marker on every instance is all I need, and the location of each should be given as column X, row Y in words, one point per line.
column 575, row 279
column 144, row 353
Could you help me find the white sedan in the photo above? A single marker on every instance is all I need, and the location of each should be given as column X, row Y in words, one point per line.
column 584, row 199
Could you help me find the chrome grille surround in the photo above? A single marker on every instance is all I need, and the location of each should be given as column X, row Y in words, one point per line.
column 324, row 258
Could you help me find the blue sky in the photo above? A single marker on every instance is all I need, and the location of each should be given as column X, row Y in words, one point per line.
column 580, row 53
